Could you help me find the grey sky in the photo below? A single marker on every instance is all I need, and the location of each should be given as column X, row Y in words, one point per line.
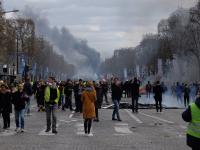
column 105, row 24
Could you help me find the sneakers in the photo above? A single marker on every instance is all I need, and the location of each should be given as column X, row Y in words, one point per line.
column 90, row 134
column 22, row 130
column 17, row 130
column 54, row 131
column 47, row 130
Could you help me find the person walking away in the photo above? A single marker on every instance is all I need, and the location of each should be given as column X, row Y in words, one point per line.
column 192, row 116
column 68, row 94
column 19, row 99
column 135, row 94
column 179, row 93
column 88, row 99
column 61, row 102
column 29, row 92
column 148, row 89
column 77, row 94
column 158, row 90
column 6, row 105
column 186, row 92
column 40, row 95
column 104, row 86
column 51, row 97
column 99, row 101
column 116, row 97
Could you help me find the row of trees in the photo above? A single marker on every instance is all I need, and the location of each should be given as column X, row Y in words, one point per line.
column 177, row 42
column 18, row 41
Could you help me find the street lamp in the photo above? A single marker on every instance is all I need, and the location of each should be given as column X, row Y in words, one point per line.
column 14, row 11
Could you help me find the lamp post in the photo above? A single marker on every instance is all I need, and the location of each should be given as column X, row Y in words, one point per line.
column 13, row 11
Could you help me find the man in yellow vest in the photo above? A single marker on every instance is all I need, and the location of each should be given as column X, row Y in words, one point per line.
column 192, row 115
column 51, row 97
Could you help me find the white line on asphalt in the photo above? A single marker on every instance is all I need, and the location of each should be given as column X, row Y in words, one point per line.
column 158, row 118
column 46, row 133
column 134, row 117
column 8, row 132
column 80, row 129
column 123, row 129
column 183, row 127
column 72, row 114
column 66, row 121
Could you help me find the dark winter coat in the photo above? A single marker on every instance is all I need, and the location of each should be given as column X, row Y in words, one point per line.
column 158, row 90
column 116, row 92
column 99, row 94
column 19, row 99
column 5, row 100
column 135, row 89
column 28, row 88
column 69, row 89
column 40, row 94
column 193, row 142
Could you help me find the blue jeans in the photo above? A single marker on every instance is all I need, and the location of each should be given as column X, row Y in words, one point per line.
column 116, row 109
column 51, row 115
column 19, row 118
column 28, row 105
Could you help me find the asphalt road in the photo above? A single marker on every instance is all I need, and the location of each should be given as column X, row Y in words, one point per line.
column 146, row 130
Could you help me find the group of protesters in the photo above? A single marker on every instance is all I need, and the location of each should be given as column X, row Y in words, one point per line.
column 52, row 95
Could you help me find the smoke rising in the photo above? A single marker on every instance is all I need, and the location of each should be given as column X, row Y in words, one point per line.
column 76, row 52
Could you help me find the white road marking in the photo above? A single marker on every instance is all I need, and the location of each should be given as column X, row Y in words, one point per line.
column 46, row 133
column 72, row 114
column 122, row 128
column 66, row 121
column 8, row 132
column 134, row 117
column 183, row 127
column 80, row 129
column 158, row 118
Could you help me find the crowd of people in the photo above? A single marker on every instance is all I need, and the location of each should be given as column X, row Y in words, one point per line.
column 88, row 99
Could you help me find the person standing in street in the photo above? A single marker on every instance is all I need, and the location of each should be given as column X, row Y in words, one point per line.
column 29, row 92
column 116, row 97
column 88, row 99
column 148, row 89
column 104, row 86
column 19, row 99
column 135, row 94
column 51, row 97
column 68, row 94
column 192, row 116
column 6, row 105
column 158, row 90
column 99, row 101
column 186, row 92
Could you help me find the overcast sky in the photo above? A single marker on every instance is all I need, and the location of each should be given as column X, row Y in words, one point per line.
column 105, row 24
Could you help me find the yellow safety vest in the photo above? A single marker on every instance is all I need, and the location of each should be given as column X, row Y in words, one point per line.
column 194, row 125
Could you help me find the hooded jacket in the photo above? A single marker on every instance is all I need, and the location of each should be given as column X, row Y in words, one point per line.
column 193, row 142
